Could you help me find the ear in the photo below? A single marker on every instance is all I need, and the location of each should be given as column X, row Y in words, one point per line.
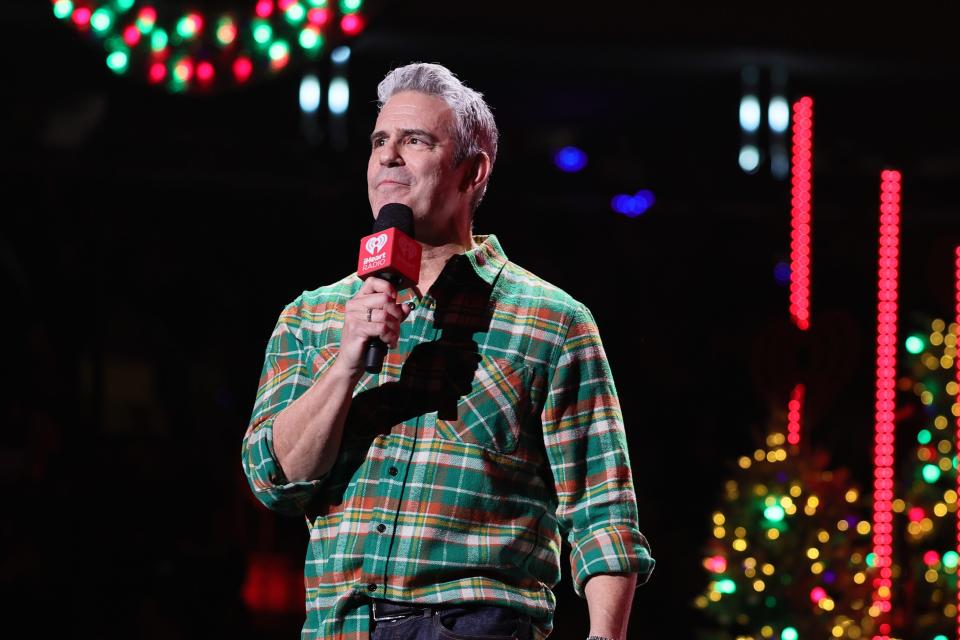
column 478, row 170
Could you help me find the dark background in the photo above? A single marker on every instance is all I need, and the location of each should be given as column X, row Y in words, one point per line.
column 149, row 242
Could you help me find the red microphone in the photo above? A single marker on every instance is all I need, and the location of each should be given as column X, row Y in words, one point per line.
column 389, row 253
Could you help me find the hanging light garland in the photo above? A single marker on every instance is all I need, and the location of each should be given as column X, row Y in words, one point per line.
column 192, row 50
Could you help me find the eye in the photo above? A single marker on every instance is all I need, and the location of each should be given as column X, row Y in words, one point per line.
column 415, row 140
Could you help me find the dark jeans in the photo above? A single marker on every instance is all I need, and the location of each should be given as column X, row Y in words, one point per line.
column 466, row 622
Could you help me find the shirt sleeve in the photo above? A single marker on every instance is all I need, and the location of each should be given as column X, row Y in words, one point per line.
column 289, row 369
column 587, row 450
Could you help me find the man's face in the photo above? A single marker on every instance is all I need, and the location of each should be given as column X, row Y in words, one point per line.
column 411, row 162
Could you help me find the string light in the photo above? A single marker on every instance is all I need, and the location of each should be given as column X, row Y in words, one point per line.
column 248, row 46
column 885, row 391
column 801, row 207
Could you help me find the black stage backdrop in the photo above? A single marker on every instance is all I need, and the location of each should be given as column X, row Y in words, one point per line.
column 149, row 241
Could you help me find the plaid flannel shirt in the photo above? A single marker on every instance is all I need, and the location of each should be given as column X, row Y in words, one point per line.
column 439, row 501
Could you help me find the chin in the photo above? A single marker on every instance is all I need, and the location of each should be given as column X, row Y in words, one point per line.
column 380, row 201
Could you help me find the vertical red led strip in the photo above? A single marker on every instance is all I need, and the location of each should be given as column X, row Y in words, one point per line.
column 793, row 414
column 957, row 440
column 885, row 396
column 800, row 207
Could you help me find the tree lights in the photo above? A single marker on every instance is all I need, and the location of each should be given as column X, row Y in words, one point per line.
column 956, row 438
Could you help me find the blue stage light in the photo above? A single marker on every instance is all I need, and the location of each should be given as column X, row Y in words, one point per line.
column 570, row 159
column 781, row 273
column 633, row 206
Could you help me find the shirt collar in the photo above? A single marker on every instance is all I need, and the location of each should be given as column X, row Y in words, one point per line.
column 488, row 258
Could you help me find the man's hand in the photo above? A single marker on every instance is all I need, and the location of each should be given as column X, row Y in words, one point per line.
column 372, row 313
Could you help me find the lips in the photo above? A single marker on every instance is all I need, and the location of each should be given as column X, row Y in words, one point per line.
column 383, row 182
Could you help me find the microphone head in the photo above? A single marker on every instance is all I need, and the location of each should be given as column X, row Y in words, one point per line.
column 391, row 252
column 397, row 215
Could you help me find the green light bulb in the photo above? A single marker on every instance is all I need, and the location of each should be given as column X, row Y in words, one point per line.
column 118, row 61
column 186, row 27
column 789, row 633
column 949, row 559
column 158, row 41
column 923, row 436
column 262, row 31
column 310, row 39
column 279, row 50
column 62, row 9
column 931, row 473
column 871, row 559
column 773, row 513
column 145, row 26
column 914, row 344
column 101, row 20
column 296, row 13
column 349, row 6
column 726, row 586
column 125, row 5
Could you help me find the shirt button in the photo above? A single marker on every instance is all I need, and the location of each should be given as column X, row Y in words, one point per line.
column 412, row 305
column 381, row 527
column 371, row 587
column 393, row 471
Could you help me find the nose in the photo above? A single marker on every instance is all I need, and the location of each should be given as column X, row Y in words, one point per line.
column 389, row 154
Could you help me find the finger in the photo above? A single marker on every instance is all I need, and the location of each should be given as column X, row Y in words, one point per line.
column 368, row 301
column 390, row 338
column 361, row 316
column 377, row 285
column 395, row 311
column 375, row 299
column 389, row 314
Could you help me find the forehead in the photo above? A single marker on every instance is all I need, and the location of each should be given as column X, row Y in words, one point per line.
column 414, row 110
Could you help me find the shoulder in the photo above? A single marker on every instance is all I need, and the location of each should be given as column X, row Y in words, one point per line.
column 334, row 293
column 522, row 287
column 321, row 304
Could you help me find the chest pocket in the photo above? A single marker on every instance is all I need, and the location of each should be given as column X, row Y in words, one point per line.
column 491, row 414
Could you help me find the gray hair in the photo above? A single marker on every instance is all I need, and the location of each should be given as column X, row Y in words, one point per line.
column 474, row 129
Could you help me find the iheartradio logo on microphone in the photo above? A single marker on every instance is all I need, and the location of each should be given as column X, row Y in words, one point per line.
column 375, row 243
column 390, row 252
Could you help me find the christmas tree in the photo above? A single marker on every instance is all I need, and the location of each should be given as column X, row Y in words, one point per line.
column 929, row 578
column 790, row 551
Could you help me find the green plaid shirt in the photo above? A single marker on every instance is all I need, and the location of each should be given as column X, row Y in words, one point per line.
column 493, row 429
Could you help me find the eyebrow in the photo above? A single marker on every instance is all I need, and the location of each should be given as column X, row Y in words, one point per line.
column 423, row 133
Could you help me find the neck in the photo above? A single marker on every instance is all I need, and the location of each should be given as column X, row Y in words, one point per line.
column 440, row 246
column 435, row 257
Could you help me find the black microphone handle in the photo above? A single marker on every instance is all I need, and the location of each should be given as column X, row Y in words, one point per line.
column 376, row 352
column 377, row 348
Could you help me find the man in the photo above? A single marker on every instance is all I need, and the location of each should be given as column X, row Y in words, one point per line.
column 436, row 492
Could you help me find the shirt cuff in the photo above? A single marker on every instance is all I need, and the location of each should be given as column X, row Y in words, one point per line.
column 610, row 549
column 266, row 477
